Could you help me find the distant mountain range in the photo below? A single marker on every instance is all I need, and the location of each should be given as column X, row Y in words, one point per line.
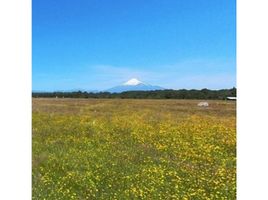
column 133, row 85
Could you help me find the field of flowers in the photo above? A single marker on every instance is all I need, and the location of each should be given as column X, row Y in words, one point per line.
column 133, row 149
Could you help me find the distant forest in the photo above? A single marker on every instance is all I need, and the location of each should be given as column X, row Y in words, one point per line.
column 157, row 94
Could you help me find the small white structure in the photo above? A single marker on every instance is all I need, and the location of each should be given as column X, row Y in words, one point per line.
column 231, row 98
column 203, row 104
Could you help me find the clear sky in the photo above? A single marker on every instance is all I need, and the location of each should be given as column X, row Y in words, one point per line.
column 98, row 44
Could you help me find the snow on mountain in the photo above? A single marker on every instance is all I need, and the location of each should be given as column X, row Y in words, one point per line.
column 133, row 81
column 133, row 85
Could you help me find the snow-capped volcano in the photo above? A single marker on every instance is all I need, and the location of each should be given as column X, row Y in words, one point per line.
column 133, row 81
column 133, row 85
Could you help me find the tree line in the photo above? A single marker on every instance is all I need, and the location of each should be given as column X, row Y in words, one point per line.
column 157, row 94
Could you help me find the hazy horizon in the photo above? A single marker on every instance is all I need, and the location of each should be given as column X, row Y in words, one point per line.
column 121, row 84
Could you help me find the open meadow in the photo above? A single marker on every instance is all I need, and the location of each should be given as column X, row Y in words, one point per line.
column 133, row 149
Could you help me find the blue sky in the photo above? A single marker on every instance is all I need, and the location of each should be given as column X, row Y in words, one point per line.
column 97, row 44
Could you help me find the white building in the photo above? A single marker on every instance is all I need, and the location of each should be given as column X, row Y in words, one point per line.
column 231, row 98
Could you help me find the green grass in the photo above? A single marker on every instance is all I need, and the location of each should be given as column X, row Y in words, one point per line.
column 133, row 149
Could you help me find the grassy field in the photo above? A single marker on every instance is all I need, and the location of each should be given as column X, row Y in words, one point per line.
column 133, row 149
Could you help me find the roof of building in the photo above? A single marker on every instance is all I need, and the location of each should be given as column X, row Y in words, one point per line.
column 231, row 98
